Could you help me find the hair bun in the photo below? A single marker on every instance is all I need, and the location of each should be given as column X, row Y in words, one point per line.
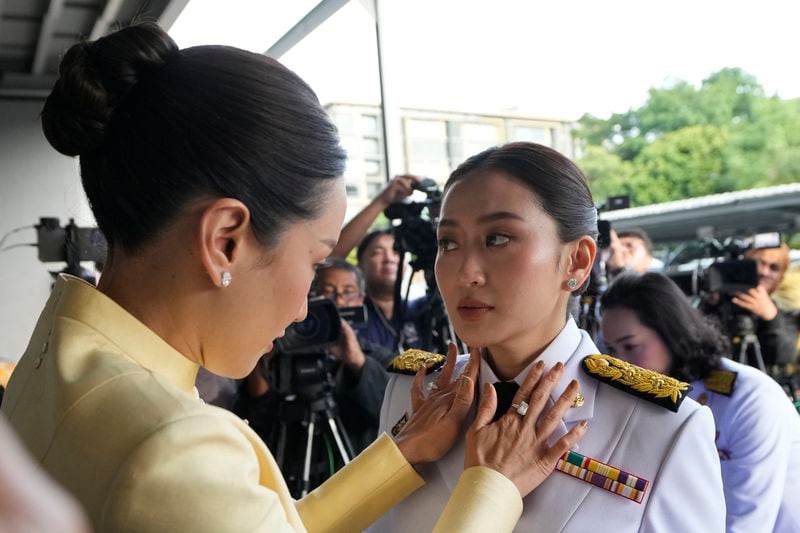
column 94, row 77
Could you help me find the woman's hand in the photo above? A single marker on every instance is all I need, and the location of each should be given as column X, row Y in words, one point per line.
column 516, row 446
column 437, row 418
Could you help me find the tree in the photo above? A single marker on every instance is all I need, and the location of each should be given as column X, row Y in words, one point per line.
column 687, row 141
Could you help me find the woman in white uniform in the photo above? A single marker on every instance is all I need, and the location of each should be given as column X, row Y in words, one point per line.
column 649, row 322
column 516, row 243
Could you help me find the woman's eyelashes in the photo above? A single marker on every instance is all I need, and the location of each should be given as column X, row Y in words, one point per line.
column 497, row 239
column 492, row 240
column 446, row 245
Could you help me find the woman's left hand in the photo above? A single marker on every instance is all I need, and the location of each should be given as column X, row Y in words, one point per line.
column 437, row 418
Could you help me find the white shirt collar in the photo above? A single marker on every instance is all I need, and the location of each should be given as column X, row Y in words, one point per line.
column 564, row 349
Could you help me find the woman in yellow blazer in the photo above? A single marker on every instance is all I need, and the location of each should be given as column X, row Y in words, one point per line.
column 215, row 176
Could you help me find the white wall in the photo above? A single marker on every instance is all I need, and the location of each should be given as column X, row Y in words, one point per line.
column 35, row 181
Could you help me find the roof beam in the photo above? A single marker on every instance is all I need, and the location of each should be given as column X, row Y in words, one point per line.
column 171, row 13
column 46, row 31
column 313, row 19
column 109, row 16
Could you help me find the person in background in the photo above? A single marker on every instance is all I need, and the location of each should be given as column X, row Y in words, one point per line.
column 361, row 376
column 648, row 321
column 381, row 264
column 775, row 329
column 216, row 177
column 631, row 251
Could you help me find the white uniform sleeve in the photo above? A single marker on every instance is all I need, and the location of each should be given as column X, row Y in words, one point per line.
column 687, row 492
column 755, row 475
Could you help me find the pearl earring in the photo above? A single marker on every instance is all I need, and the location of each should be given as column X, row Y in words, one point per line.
column 572, row 283
column 225, row 279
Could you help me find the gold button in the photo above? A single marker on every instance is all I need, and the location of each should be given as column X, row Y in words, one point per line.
column 579, row 400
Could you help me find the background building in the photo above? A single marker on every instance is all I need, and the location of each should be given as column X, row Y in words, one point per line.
column 434, row 142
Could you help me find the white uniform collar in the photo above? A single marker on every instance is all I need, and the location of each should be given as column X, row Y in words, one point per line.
column 564, row 349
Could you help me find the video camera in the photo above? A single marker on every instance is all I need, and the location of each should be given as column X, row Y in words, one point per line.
column 69, row 244
column 729, row 272
column 299, row 365
column 714, row 286
column 416, row 232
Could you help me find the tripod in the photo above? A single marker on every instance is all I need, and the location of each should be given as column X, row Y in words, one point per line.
column 308, row 437
column 744, row 343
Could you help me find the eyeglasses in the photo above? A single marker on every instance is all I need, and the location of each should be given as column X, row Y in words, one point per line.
column 348, row 295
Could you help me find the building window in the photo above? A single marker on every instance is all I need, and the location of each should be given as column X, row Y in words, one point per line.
column 372, row 146
column 369, row 124
column 426, row 148
column 476, row 137
column 372, row 167
column 352, row 189
column 530, row 134
column 374, row 188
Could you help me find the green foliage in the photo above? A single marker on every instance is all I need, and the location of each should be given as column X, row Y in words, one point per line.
column 685, row 141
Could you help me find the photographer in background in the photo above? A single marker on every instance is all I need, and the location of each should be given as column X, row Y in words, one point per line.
column 776, row 332
column 381, row 264
column 361, row 376
column 359, row 372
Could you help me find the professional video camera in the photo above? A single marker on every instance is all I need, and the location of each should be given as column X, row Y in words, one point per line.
column 415, row 232
column 309, row 432
column 713, row 280
column 69, row 244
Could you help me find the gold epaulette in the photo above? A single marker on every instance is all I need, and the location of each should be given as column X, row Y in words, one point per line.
column 721, row 381
column 646, row 384
column 410, row 361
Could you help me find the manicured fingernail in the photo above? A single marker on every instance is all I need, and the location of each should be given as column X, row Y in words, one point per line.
column 559, row 366
column 540, row 365
column 584, row 423
column 573, row 383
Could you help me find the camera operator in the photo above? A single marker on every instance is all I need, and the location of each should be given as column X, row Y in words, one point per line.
column 381, row 264
column 776, row 332
column 398, row 189
column 361, row 376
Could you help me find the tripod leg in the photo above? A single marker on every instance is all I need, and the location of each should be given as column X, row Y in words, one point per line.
column 759, row 357
column 309, row 450
column 339, row 444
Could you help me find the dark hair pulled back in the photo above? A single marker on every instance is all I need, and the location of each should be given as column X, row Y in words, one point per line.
column 157, row 128
column 557, row 183
column 694, row 341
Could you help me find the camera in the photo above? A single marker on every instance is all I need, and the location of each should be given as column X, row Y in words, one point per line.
column 69, row 244
column 729, row 273
column 416, row 232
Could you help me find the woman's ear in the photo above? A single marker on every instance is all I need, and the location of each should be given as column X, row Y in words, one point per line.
column 222, row 233
column 580, row 259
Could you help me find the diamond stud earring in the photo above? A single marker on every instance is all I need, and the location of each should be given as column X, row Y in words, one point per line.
column 572, row 283
column 225, row 279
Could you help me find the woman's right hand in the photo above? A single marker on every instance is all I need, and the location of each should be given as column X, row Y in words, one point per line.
column 438, row 417
column 516, row 446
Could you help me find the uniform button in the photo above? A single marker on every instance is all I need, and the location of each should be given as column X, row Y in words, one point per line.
column 38, row 363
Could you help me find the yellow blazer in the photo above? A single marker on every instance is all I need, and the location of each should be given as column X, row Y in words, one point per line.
column 110, row 411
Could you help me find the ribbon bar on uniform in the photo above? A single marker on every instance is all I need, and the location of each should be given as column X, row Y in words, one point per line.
column 604, row 476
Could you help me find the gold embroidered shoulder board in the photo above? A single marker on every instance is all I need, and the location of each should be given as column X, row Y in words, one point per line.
column 646, row 384
column 410, row 361
column 721, row 381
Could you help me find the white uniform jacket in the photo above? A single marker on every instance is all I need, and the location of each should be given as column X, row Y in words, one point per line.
column 758, row 439
column 675, row 452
